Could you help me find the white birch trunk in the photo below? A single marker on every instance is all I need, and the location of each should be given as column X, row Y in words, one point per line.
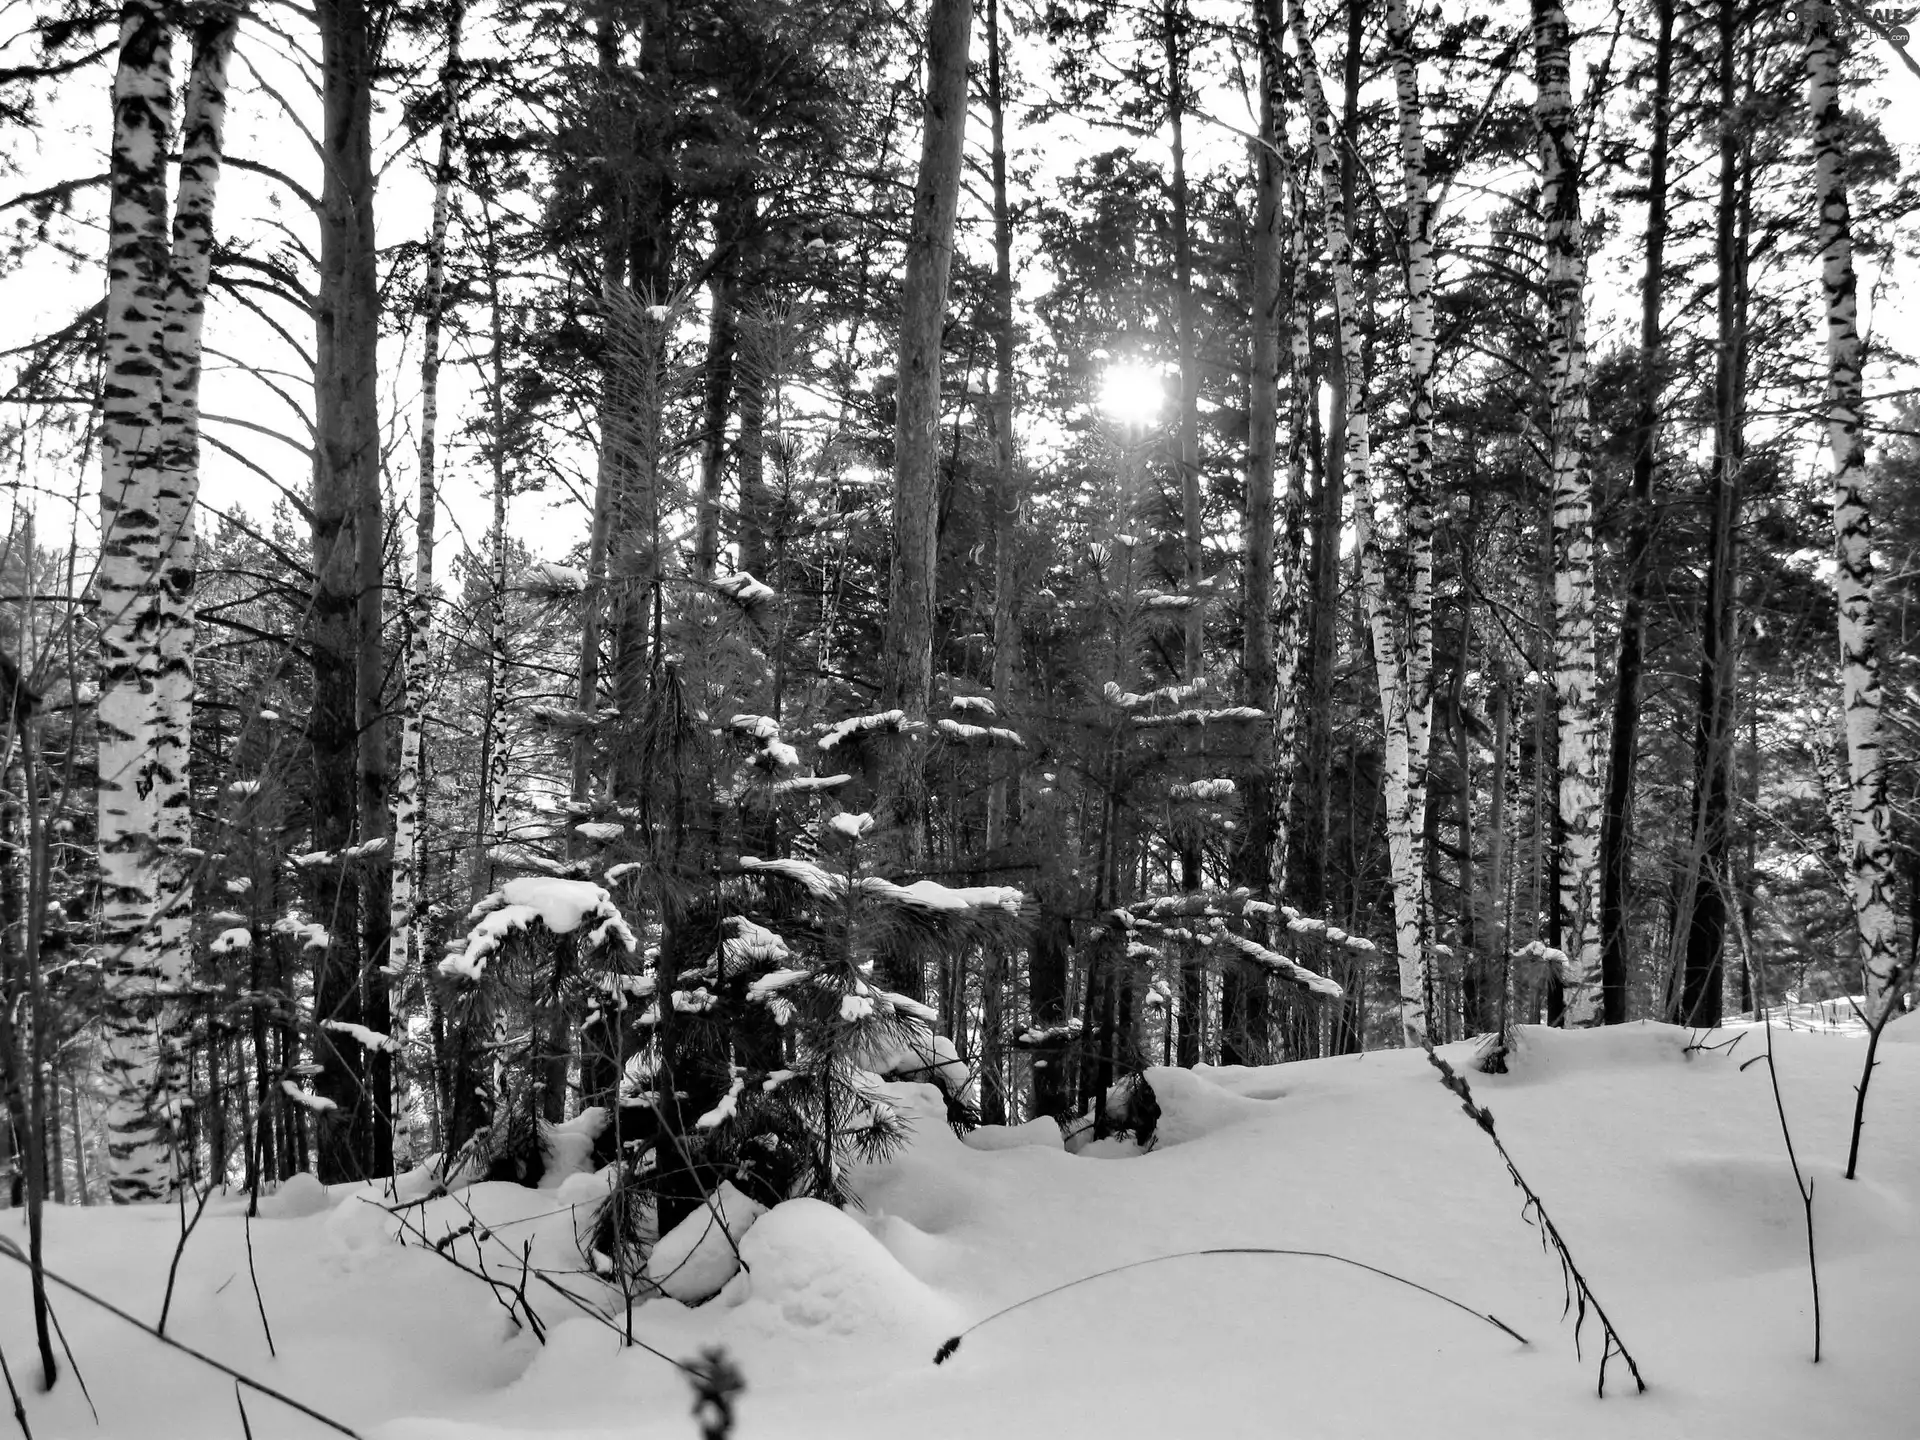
column 1572, row 518
column 1405, row 856
column 1870, row 855
column 1417, row 702
column 404, row 955
column 202, row 147
column 139, row 1118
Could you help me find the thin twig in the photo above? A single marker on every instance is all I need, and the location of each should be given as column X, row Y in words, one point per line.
column 12, row 1252
column 1578, row 1292
column 66, row 1349
column 19, row 1410
column 180, row 1248
column 952, row 1343
column 253, row 1275
column 246, row 1426
column 1804, row 1186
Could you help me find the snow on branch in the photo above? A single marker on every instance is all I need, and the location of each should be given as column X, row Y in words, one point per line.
column 1194, row 718
column 983, row 736
column 360, row 1034
column 892, row 722
column 745, row 591
column 1279, row 965
column 750, row 944
column 931, row 895
column 562, row 906
column 809, row 783
column 231, row 941
column 1221, row 789
column 319, row 1104
column 973, row 705
column 1166, row 694
column 804, row 872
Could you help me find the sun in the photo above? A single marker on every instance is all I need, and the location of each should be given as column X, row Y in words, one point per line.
column 1132, row 393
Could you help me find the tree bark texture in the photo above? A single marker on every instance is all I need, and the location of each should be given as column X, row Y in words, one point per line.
column 1578, row 854
column 1616, row 822
column 1870, row 862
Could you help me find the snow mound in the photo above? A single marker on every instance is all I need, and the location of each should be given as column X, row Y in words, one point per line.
column 568, row 1148
column 1039, row 1134
column 700, row 1254
column 1537, row 1052
column 814, row 1268
column 298, row 1196
column 1902, row 1030
column 1192, row 1107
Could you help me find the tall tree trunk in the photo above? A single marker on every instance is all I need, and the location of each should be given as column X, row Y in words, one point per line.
column 1416, row 699
column 1006, row 635
column 202, row 148
column 1262, row 858
column 1703, row 977
column 1392, row 675
column 405, row 953
column 1616, row 823
column 906, row 677
column 1578, row 853
column 1871, row 862
column 345, row 507
column 723, row 343
column 139, row 974
column 607, row 473
column 491, row 799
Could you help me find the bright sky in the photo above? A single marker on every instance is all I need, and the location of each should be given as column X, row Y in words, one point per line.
column 256, row 393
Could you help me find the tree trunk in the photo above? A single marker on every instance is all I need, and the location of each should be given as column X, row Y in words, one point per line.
column 202, row 148
column 345, row 507
column 723, row 343
column 1262, row 857
column 1392, row 675
column 906, row 678
column 139, row 974
column 1577, row 854
column 1416, row 702
column 1703, row 978
column 405, row 962
column 1871, row 862
column 1616, row 823
column 1006, row 635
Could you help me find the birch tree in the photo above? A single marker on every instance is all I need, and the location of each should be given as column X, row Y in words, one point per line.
column 1870, row 864
column 132, row 437
column 150, row 453
column 1572, row 511
column 1394, row 677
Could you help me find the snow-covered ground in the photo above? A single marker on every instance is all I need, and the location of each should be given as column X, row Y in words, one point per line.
column 1664, row 1170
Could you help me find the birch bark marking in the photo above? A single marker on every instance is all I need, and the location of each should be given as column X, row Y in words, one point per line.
column 202, row 146
column 1572, row 516
column 1870, row 864
column 1404, row 854
column 139, row 1134
column 1417, row 703
column 417, row 614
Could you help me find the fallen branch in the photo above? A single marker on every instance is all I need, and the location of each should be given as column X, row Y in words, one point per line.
column 952, row 1343
column 1578, row 1292
column 19, row 1410
column 12, row 1252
